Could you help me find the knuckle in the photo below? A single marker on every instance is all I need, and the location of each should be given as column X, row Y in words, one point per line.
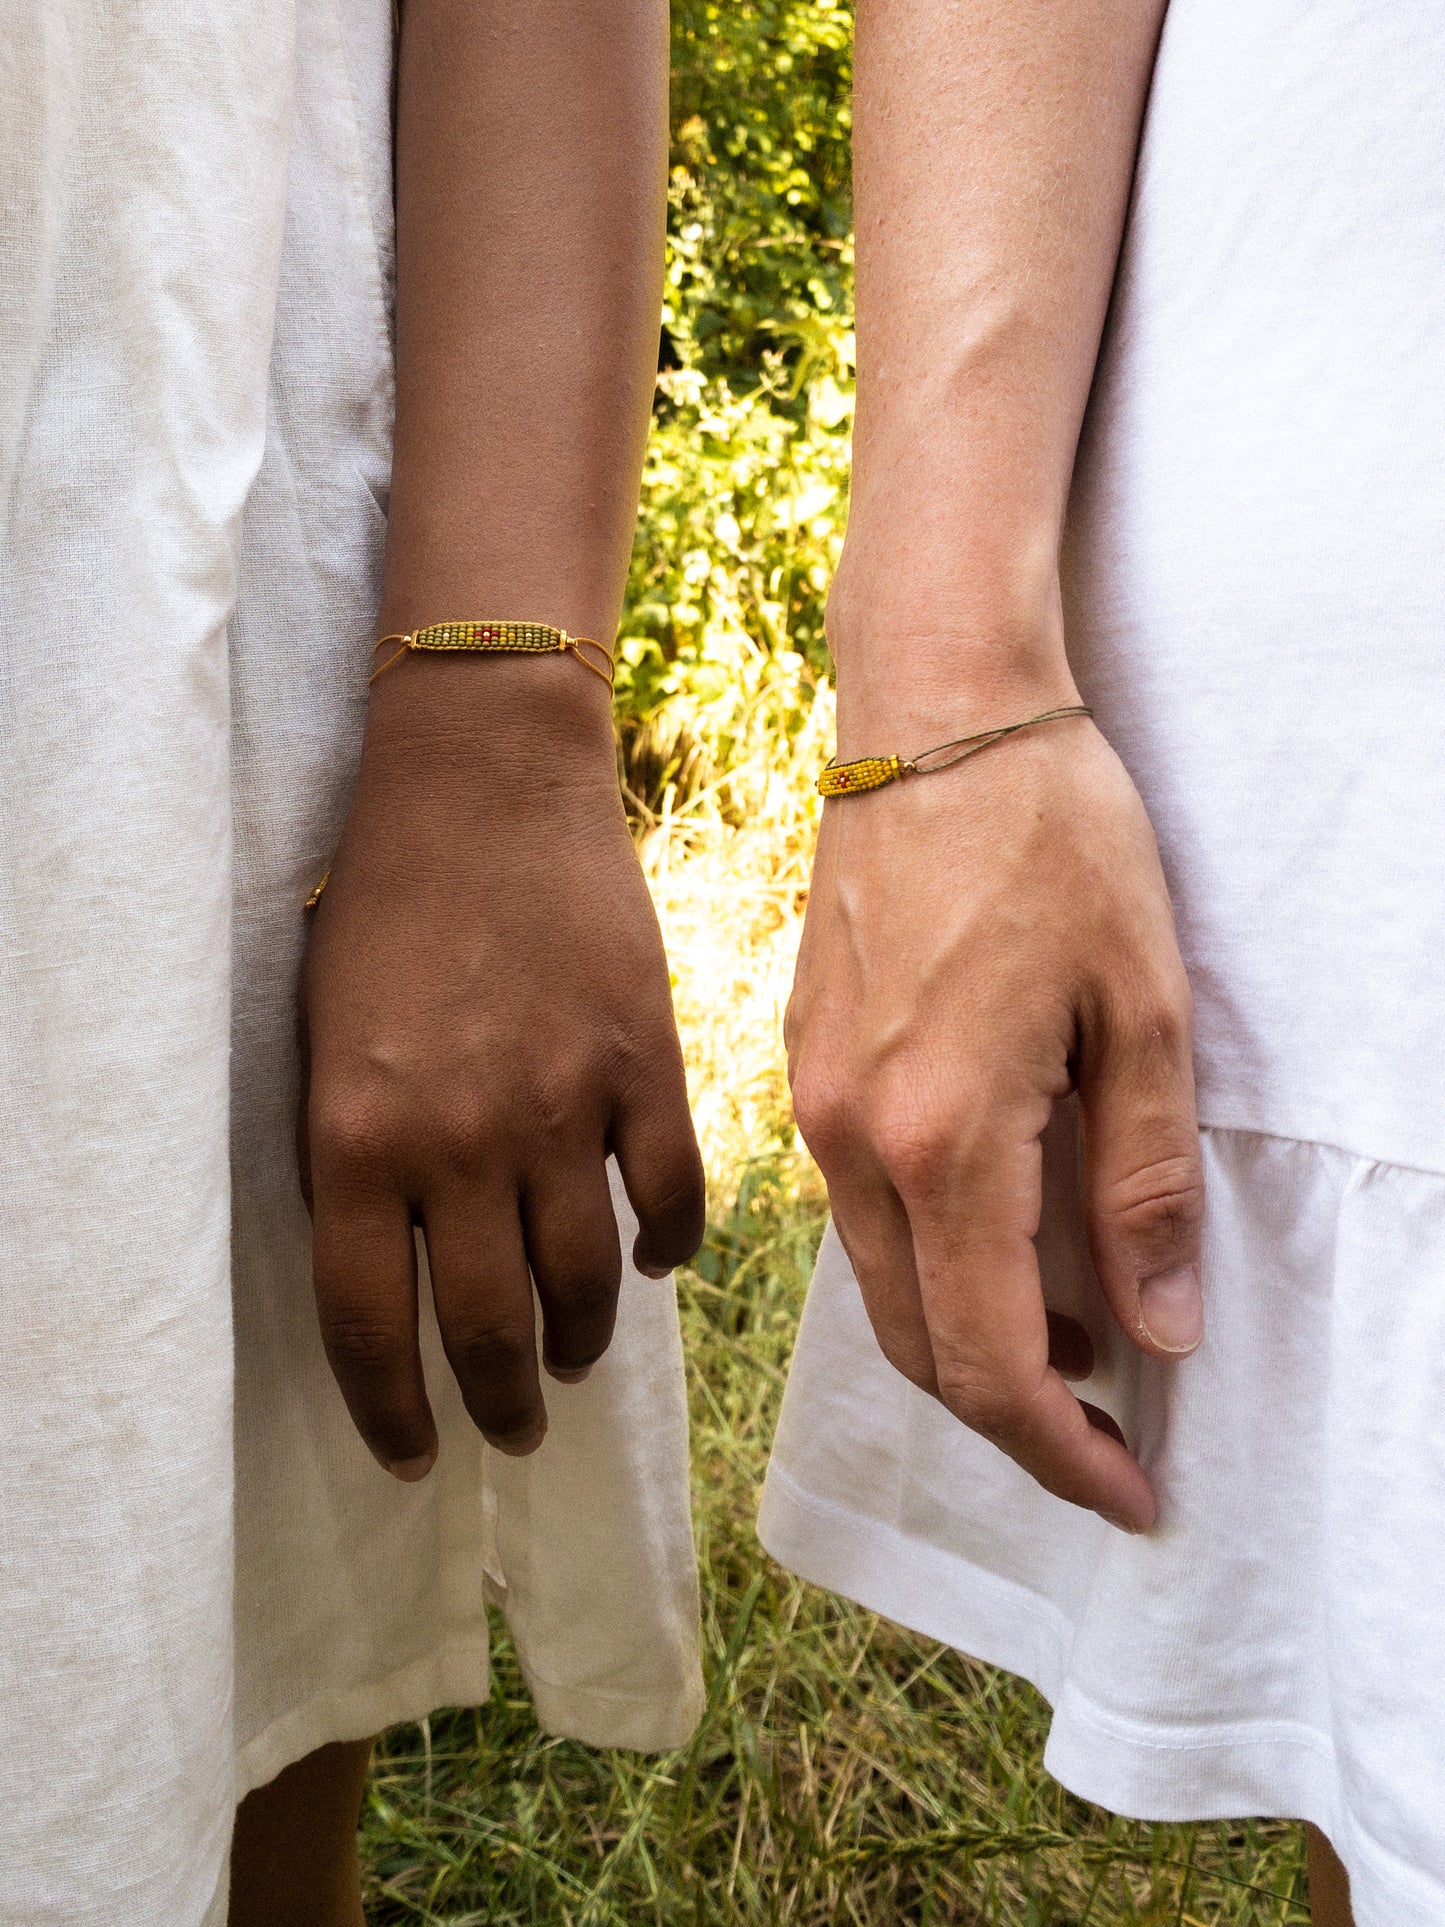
column 553, row 1110
column 916, row 1149
column 821, row 1109
column 1162, row 1023
column 459, row 1141
column 638, row 1060
column 365, row 1133
column 354, row 1136
column 361, row 1341
column 1160, row 1202
column 489, row 1352
column 988, row 1404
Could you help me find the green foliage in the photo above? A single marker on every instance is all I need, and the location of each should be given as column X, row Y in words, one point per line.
column 742, row 523
column 745, row 491
column 759, row 201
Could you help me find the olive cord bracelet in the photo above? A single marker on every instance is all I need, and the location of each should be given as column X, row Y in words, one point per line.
column 872, row 772
column 526, row 638
column 522, row 638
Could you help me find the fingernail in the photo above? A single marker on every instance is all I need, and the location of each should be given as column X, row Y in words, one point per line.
column 1171, row 1309
column 1123, row 1525
column 568, row 1375
column 410, row 1470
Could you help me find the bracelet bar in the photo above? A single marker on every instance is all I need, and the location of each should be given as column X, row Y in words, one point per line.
column 540, row 637
column 867, row 773
column 526, row 638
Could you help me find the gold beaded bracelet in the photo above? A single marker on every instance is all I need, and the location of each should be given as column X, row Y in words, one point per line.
column 524, row 638
column 528, row 638
column 872, row 772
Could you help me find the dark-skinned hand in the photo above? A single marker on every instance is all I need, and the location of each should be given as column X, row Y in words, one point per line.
column 488, row 1018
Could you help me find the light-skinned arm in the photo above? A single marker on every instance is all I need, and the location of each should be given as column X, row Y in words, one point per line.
column 981, row 942
column 486, row 995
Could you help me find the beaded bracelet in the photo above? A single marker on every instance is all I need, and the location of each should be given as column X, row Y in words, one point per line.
column 872, row 772
column 528, row 638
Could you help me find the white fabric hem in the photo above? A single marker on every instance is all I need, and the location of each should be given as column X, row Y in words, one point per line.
column 904, row 1579
column 461, row 1676
column 642, row 1723
column 1268, row 1769
column 638, row 1722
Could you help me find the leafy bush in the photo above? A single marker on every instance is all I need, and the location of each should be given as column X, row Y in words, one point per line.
column 761, row 215
column 745, row 490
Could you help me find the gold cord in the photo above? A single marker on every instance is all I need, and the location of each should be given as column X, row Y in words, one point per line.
column 526, row 638
column 872, row 772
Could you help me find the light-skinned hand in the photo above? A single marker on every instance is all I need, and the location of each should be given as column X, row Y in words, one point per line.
column 979, row 943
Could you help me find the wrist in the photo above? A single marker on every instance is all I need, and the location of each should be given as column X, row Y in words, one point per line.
column 916, row 664
column 491, row 719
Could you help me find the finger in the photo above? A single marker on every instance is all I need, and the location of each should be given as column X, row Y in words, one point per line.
column 364, row 1269
column 873, row 1229
column 1102, row 1422
column 1071, row 1350
column 483, row 1296
column 1078, row 1452
column 656, row 1150
column 1144, row 1179
column 974, row 1210
column 1003, row 1386
column 572, row 1244
column 868, row 1215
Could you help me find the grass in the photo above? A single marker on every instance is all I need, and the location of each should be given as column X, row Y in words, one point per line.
column 846, row 1771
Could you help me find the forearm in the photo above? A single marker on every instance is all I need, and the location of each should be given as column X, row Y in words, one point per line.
column 983, row 941
column 531, row 175
column 487, row 1008
column 994, row 150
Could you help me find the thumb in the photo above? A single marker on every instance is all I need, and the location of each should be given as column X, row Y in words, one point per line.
column 1144, row 1181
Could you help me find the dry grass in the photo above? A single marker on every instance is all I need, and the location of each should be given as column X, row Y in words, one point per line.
column 846, row 1772
column 728, row 869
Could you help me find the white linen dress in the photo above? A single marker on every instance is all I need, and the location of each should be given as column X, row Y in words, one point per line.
column 195, row 407
column 1256, row 604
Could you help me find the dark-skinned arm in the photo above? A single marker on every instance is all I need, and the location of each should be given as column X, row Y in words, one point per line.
column 487, row 998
